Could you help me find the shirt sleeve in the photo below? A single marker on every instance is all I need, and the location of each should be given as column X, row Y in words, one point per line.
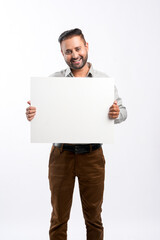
column 123, row 112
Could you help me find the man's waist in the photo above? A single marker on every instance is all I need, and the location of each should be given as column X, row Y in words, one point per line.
column 76, row 144
column 78, row 148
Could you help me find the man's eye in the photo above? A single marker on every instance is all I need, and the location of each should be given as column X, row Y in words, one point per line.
column 68, row 52
column 77, row 49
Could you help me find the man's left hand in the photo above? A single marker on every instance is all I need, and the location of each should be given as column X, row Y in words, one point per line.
column 114, row 111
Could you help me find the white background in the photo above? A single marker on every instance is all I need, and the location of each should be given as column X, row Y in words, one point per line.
column 123, row 41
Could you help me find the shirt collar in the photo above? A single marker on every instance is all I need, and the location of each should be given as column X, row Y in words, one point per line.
column 69, row 73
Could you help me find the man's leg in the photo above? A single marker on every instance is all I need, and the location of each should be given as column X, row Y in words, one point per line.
column 91, row 175
column 61, row 180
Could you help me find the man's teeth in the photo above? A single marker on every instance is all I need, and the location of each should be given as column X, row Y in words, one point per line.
column 76, row 60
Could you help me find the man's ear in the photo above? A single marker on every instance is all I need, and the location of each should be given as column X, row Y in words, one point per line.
column 87, row 46
column 62, row 52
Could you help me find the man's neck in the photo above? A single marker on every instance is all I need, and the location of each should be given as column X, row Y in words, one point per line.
column 81, row 72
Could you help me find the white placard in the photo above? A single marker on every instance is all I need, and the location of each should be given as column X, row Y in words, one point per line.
column 72, row 110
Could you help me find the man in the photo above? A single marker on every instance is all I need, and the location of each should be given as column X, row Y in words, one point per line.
column 86, row 161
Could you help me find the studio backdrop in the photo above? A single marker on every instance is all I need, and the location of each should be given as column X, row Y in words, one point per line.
column 123, row 38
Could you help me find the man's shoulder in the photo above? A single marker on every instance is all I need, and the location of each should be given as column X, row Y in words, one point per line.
column 98, row 73
column 58, row 74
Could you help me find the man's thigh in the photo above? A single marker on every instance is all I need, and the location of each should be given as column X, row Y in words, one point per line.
column 91, row 176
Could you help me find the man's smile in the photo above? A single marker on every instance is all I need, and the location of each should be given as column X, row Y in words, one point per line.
column 77, row 61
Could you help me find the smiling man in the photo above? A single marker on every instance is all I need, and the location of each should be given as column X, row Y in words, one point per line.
column 75, row 53
column 84, row 161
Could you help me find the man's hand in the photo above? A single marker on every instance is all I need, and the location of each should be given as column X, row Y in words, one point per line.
column 114, row 111
column 30, row 112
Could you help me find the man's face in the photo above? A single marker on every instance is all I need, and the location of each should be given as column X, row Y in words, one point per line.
column 75, row 52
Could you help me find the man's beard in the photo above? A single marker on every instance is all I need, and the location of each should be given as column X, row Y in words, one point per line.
column 72, row 65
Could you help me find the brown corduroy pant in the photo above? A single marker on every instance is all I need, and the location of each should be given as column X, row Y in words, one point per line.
column 64, row 166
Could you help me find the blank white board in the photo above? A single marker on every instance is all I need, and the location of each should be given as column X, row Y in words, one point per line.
column 72, row 110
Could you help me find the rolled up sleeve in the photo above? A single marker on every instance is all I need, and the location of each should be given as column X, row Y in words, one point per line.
column 123, row 112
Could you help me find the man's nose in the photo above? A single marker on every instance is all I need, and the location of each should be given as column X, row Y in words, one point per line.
column 74, row 54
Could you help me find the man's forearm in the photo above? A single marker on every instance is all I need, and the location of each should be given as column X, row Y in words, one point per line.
column 123, row 112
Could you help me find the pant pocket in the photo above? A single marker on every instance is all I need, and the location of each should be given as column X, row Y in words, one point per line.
column 102, row 156
column 103, row 159
column 51, row 157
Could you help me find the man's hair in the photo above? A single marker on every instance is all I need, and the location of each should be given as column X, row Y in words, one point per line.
column 70, row 33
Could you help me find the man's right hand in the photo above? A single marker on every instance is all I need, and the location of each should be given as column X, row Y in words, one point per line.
column 30, row 112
